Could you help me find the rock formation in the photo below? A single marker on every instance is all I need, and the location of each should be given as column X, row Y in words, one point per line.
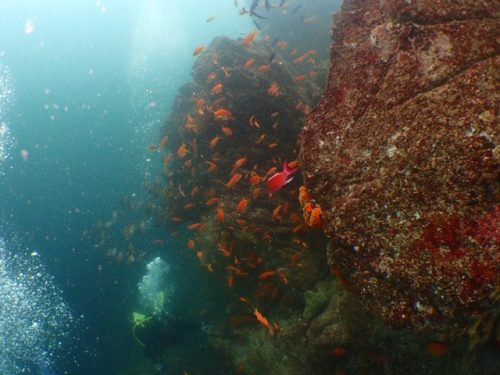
column 403, row 156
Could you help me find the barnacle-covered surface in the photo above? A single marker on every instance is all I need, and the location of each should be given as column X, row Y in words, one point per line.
column 402, row 155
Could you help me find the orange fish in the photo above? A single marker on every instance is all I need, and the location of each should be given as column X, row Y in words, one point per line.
column 277, row 211
column 188, row 206
column 242, row 205
column 263, row 320
column 210, row 77
column 272, row 145
column 233, row 180
column 223, row 114
column 212, row 202
column 255, row 193
column 266, row 275
column 316, row 218
column 313, row 74
column 264, row 68
column 254, row 178
column 214, row 141
column 240, row 162
column 198, row 50
column 299, row 78
column 190, row 244
column 248, row 64
column 293, row 51
column 224, row 250
column 182, row 151
column 217, row 88
column 274, row 89
column 237, row 271
column 260, row 139
column 199, row 254
column 227, row 131
column 196, row 226
column 212, row 167
column 219, row 214
column 152, row 147
column 248, row 39
column 196, row 190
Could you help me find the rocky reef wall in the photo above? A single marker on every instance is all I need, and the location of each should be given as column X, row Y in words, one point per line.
column 403, row 156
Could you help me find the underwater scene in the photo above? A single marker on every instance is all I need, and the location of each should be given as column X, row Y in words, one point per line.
column 289, row 187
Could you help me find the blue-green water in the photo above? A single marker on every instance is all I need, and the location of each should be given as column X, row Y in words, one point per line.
column 85, row 91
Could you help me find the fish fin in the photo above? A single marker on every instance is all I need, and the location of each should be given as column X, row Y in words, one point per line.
column 287, row 169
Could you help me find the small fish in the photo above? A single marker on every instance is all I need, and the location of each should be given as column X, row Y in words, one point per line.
column 210, row 77
column 219, row 214
column 264, row 68
column 299, row 78
column 212, row 201
column 249, row 38
column 196, row 190
column 263, row 320
column 223, row 114
column 210, row 19
column 182, row 151
column 214, row 141
column 212, row 167
column 248, row 64
column 233, row 180
column 196, row 226
column 242, row 205
column 274, row 89
column 224, row 250
column 217, row 88
column 198, row 50
column 254, row 178
column 188, row 206
column 227, row 131
column 266, row 275
column 278, row 180
column 190, row 244
column 240, row 162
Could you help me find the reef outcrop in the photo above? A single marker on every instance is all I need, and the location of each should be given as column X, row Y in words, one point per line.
column 403, row 156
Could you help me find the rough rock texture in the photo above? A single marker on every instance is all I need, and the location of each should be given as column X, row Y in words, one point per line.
column 403, row 155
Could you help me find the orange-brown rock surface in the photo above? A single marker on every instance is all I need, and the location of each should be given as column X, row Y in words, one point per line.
column 403, row 156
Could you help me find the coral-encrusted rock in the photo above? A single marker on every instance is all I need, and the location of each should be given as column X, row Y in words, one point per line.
column 403, row 156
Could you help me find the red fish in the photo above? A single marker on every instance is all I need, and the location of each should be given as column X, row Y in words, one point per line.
column 278, row 180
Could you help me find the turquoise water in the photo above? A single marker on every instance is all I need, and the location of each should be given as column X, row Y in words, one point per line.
column 85, row 86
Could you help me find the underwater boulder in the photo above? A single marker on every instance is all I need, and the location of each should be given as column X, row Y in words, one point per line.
column 402, row 154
